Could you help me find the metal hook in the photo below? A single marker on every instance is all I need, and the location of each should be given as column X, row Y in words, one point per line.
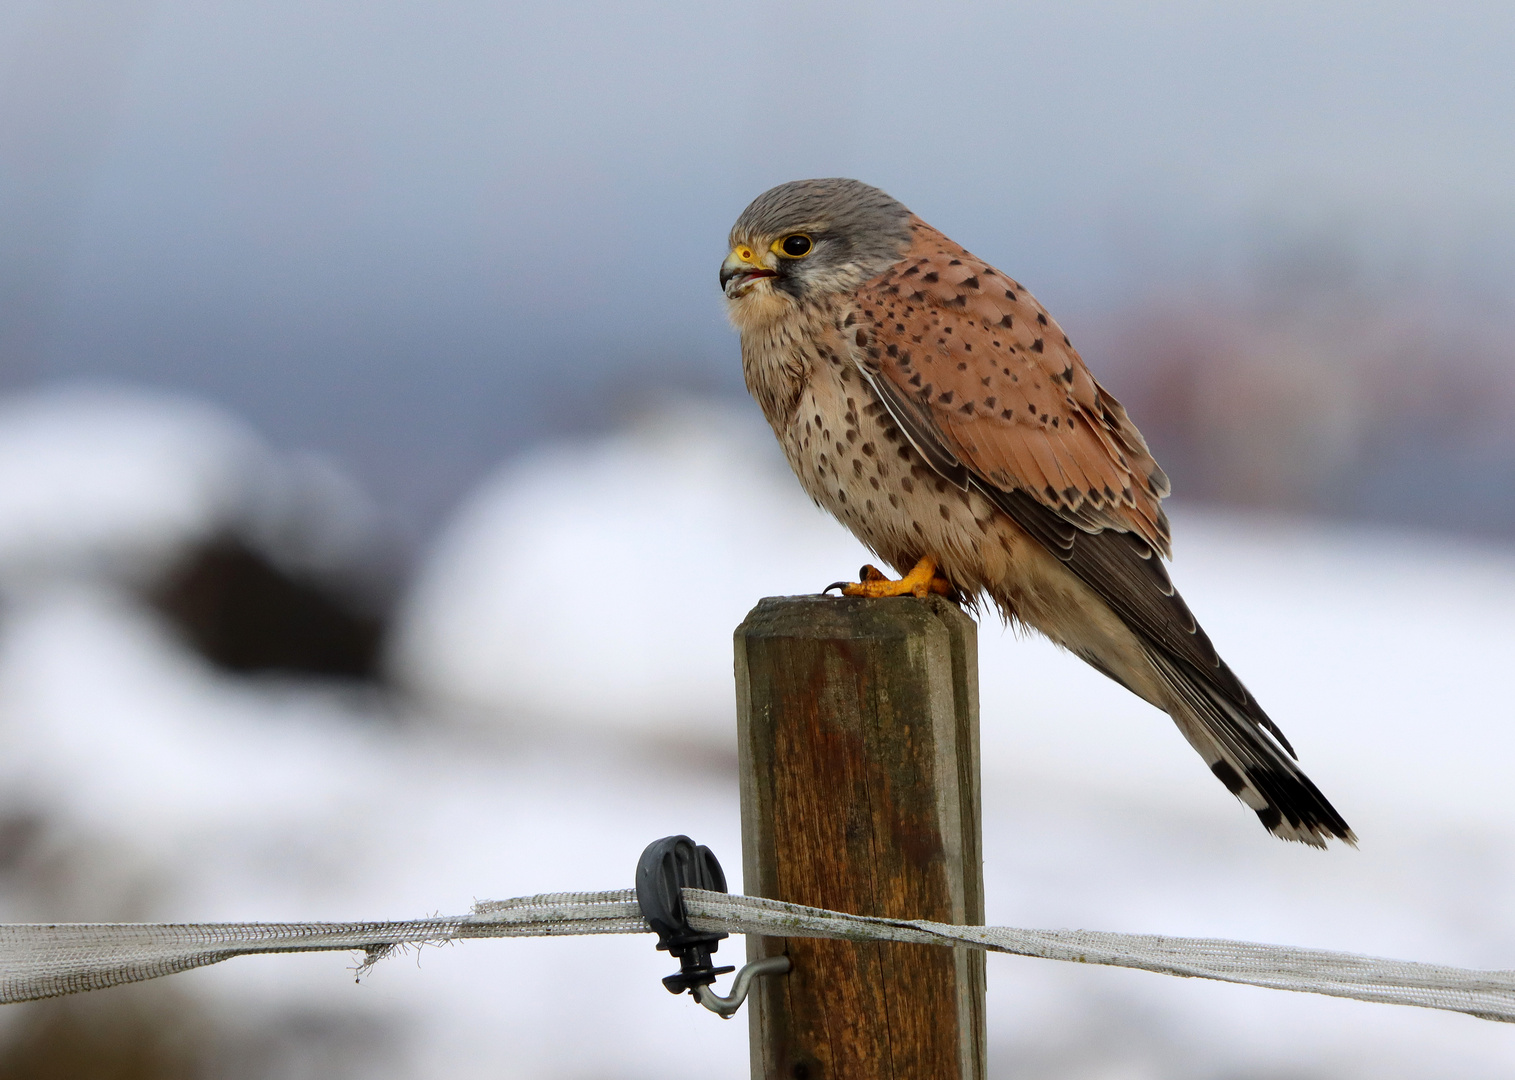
column 666, row 868
column 726, row 1007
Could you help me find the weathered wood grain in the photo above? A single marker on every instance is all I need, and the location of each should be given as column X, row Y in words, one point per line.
column 858, row 727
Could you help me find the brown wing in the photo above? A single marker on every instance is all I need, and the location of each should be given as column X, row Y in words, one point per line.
column 989, row 389
column 1006, row 391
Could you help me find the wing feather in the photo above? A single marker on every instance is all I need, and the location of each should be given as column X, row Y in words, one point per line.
column 1005, row 390
column 1005, row 404
column 988, row 389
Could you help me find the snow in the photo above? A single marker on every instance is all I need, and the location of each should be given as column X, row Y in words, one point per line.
column 107, row 481
column 633, row 558
column 87, row 473
column 567, row 653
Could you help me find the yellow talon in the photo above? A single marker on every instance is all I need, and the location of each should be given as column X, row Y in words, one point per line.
column 922, row 581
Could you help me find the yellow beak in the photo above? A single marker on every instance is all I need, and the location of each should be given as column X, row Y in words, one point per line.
column 742, row 267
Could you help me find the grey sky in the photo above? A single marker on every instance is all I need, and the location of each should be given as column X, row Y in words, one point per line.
column 404, row 232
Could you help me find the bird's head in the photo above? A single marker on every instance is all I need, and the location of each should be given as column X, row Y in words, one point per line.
column 807, row 238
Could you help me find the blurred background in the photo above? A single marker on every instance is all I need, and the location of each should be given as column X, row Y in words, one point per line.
column 356, row 361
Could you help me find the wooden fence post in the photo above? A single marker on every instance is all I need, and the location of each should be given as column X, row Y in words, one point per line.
column 858, row 728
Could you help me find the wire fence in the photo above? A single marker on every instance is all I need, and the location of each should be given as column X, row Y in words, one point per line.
column 39, row 960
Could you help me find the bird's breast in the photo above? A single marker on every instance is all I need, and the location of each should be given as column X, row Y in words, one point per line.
column 779, row 357
column 855, row 462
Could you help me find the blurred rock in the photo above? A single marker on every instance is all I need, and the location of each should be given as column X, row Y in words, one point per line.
column 108, row 1035
column 263, row 561
column 112, row 484
column 19, row 832
column 158, row 1031
column 245, row 613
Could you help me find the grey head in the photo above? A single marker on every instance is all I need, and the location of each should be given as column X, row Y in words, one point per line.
column 812, row 236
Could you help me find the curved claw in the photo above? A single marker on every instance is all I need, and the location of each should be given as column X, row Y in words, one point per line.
column 922, row 581
column 868, row 572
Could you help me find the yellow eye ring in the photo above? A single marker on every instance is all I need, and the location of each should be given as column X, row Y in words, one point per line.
column 793, row 246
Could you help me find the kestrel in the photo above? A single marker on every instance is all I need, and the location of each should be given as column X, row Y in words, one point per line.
column 935, row 408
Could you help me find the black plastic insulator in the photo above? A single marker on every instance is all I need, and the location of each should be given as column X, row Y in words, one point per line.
column 668, row 866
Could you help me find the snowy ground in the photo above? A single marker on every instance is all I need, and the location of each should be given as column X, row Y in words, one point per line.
column 560, row 719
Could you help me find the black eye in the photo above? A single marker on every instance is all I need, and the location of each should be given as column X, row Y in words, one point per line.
column 795, row 246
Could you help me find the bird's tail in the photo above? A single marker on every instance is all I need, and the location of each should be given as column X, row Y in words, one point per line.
column 1235, row 742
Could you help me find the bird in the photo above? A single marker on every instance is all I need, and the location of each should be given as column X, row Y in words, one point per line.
column 934, row 407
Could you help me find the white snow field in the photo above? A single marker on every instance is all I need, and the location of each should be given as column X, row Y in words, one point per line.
column 567, row 652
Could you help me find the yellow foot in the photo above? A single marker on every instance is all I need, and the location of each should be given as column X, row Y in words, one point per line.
column 921, row 581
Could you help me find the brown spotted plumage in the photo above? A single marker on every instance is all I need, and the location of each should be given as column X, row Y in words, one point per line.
column 932, row 405
column 1005, row 389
